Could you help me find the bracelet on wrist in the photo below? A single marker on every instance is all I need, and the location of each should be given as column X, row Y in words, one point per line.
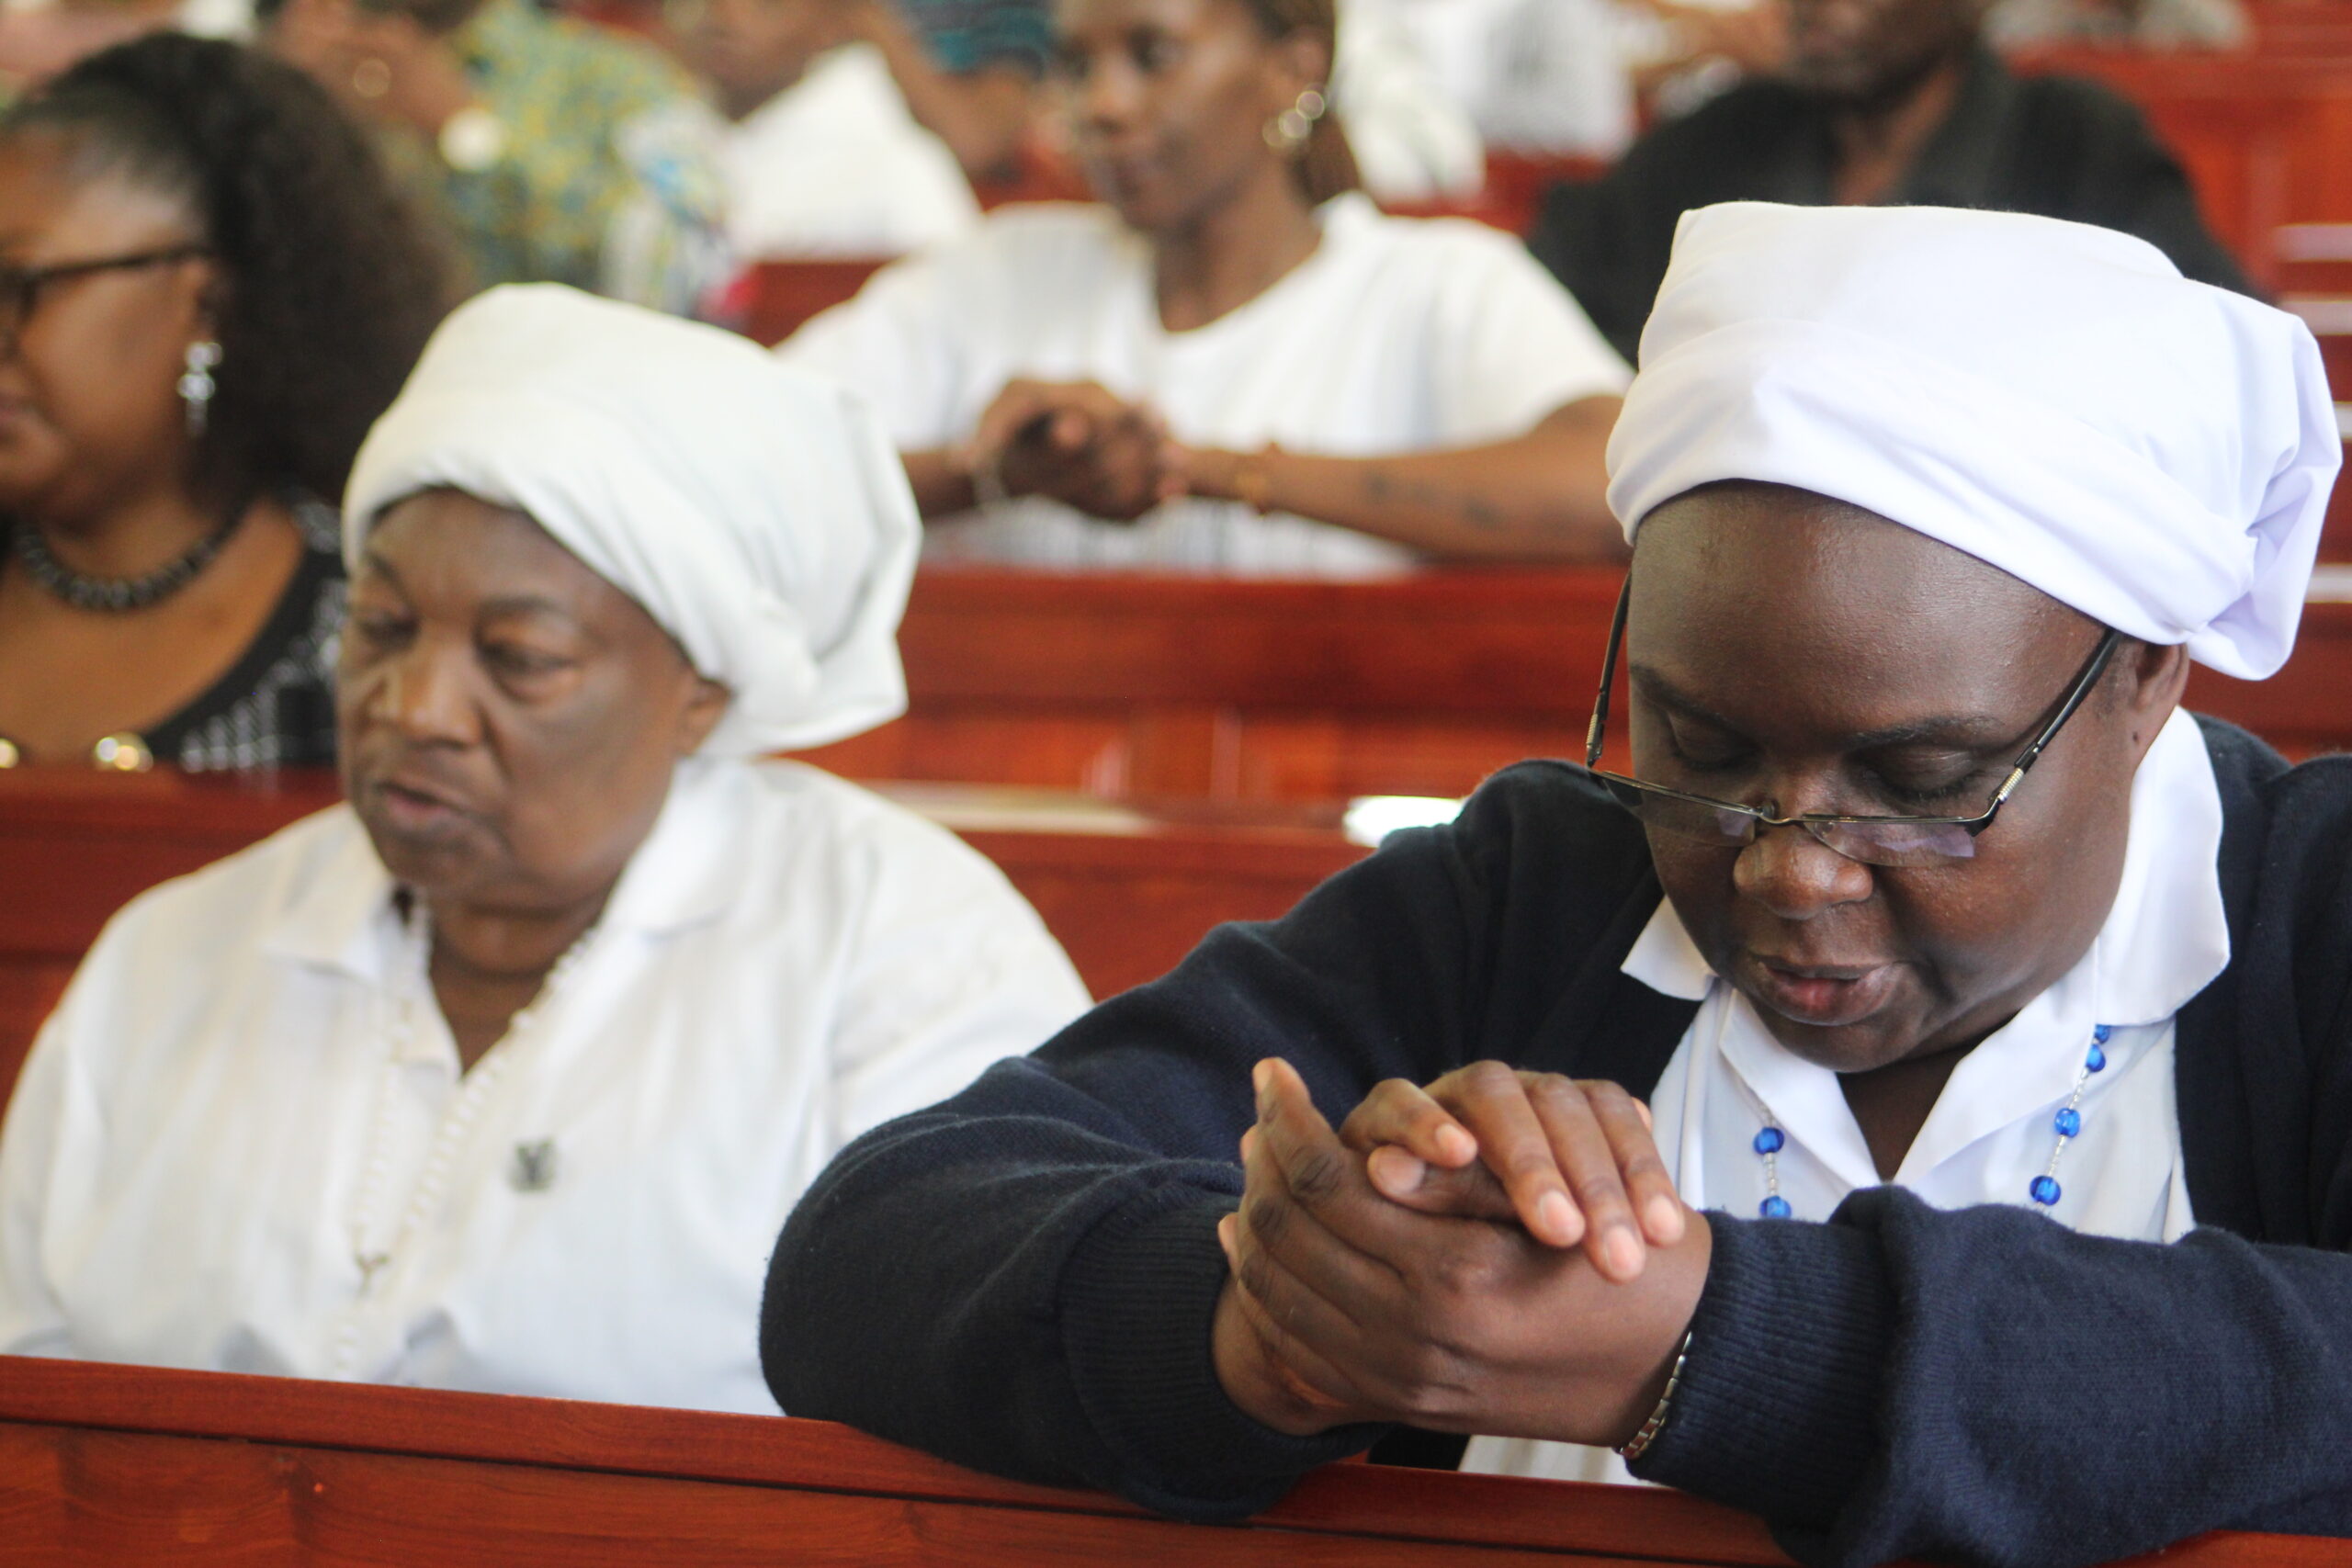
column 1638, row 1444
column 1253, row 487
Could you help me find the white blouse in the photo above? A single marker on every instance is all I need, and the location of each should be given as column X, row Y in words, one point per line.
column 835, row 165
column 243, row 1142
column 1395, row 335
column 1990, row 1133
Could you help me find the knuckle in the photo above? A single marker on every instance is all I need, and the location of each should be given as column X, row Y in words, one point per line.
column 1256, row 1277
column 1556, row 1092
column 1611, row 1100
column 1266, row 1217
column 1596, row 1194
column 1315, row 1175
column 1489, row 1079
column 1527, row 1160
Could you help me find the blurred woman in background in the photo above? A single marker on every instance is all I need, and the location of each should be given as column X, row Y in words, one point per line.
column 1237, row 363
column 209, row 288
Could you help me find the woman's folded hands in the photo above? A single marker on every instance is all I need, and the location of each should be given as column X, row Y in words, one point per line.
column 1498, row 1251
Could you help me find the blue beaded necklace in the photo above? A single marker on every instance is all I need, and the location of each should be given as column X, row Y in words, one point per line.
column 2042, row 1190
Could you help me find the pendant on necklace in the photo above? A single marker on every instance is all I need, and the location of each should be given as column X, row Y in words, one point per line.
column 534, row 1167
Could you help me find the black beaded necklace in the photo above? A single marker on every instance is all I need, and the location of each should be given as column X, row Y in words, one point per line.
column 116, row 594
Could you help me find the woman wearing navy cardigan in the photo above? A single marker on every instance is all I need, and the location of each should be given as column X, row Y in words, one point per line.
column 1913, row 1100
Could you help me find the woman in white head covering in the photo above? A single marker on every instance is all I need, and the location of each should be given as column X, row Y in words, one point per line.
column 1995, row 1013
column 503, row 1075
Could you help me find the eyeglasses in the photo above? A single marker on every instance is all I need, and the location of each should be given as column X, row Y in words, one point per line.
column 1874, row 841
column 21, row 286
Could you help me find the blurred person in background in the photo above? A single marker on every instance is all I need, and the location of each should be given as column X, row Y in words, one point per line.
column 1884, row 103
column 558, row 152
column 968, row 69
column 1237, row 362
column 822, row 157
column 208, row 287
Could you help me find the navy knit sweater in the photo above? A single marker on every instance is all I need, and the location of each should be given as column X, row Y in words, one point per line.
column 1023, row 1278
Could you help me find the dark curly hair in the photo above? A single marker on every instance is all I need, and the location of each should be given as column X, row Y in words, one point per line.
column 332, row 282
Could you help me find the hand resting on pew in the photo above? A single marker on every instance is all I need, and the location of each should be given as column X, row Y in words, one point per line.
column 1448, row 1291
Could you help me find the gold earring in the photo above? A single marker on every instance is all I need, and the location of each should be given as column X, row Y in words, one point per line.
column 1287, row 133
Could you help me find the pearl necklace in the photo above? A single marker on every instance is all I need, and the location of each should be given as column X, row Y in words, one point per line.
column 456, row 1122
column 2042, row 1190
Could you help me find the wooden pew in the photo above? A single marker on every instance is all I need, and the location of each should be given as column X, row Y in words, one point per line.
column 1128, row 890
column 1166, row 686
column 105, row 1466
column 1257, row 690
column 770, row 300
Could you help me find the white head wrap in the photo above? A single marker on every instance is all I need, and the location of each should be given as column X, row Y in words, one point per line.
column 2051, row 398
column 755, row 512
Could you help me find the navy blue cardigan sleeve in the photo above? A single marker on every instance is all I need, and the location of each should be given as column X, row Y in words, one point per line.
column 1985, row 1386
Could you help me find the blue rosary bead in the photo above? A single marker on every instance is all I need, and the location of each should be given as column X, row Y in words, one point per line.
column 2099, row 1033
column 1769, row 1142
column 2068, row 1121
column 2044, row 1191
column 2095, row 1061
column 1775, row 1207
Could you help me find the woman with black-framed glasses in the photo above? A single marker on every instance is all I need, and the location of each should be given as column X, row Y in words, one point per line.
column 208, row 289
column 1911, row 1097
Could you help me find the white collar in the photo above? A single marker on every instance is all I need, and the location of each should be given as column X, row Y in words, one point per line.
column 2165, row 939
column 346, row 919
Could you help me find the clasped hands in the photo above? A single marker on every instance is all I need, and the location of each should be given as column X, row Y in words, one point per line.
column 1499, row 1252
column 1084, row 445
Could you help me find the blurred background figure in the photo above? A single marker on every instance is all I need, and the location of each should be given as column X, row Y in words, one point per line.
column 822, row 157
column 968, row 69
column 558, row 152
column 208, row 287
column 1237, row 362
column 1894, row 102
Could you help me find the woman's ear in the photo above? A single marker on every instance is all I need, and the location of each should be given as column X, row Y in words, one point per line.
column 2149, row 686
column 208, row 302
column 705, row 706
column 1303, row 58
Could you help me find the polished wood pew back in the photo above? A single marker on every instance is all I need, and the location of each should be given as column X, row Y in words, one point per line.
column 1258, row 691
column 104, row 1466
column 119, row 1465
column 1165, row 686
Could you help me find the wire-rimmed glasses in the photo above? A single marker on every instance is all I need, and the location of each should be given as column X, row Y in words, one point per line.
column 1874, row 841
